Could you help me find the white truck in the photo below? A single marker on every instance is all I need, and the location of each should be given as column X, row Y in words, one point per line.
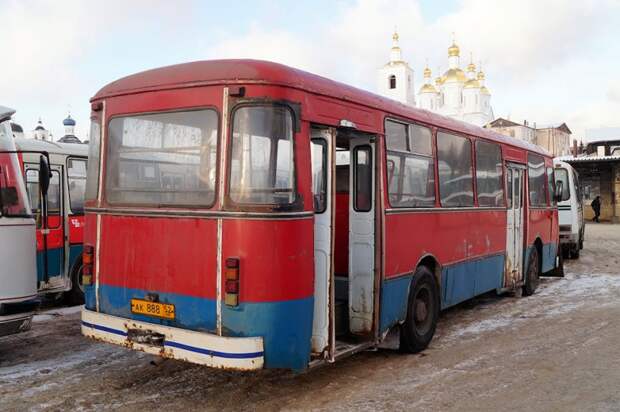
column 570, row 210
column 18, row 273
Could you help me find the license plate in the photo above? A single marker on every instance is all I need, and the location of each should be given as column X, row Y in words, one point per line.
column 160, row 310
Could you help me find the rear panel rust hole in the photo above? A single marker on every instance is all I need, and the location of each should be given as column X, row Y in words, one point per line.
column 145, row 337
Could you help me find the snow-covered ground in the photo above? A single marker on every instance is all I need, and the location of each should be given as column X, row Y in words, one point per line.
column 556, row 350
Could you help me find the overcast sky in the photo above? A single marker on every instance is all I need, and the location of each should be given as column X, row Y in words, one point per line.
column 546, row 61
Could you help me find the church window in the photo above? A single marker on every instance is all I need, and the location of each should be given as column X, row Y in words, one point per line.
column 392, row 82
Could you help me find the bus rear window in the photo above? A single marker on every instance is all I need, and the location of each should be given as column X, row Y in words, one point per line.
column 163, row 159
column 262, row 164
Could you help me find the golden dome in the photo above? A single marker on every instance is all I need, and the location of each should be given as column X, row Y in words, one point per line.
column 454, row 50
column 428, row 88
column 471, row 67
column 395, row 36
column 480, row 75
column 472, row 84
column 439, row 81
column 484, row 90
column 427, row 72
column 454, row 75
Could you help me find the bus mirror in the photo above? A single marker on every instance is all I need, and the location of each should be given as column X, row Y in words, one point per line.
column 44, row 175
column 559, row 191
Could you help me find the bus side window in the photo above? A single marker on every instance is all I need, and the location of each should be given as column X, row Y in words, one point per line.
column 410, row 165
column 489, row 174
column 76, row 174
column 518, row 193
column 509, row 187
column 318, row 155
column 362, row 178
column 53, row 196
column 32, row 187
column 456, row 187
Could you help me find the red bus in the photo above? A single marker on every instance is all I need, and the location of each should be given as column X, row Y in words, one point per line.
column 243, row 214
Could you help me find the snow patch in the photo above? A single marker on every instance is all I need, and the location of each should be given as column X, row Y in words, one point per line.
column 51, row 314
column 555, row 297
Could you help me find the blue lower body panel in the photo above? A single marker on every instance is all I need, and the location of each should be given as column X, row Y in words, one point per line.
column 190, row 312
column 285, row 326
column 55, row 263
column 394, row 301
column 549, row 253
column 465, row 280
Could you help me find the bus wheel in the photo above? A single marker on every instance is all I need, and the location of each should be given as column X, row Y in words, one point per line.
column 574, row 254
column 531, row 276
column 75, row 296
column 422, row 312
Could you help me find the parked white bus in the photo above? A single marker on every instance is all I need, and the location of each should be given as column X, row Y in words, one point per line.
column 570, row 210
column 18, row 287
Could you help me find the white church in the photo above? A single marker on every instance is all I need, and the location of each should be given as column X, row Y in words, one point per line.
column 457, row 94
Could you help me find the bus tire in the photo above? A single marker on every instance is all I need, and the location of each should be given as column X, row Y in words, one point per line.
column 575, row 252
column 75, row 296
column 532, row 274
column 422, row 312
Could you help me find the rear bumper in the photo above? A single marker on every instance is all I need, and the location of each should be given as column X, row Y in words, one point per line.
column 10, row 324
column 243, row 353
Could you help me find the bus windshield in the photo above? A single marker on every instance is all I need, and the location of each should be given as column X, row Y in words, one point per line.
column 561, row 175
column 13, row 200
column 163, row 159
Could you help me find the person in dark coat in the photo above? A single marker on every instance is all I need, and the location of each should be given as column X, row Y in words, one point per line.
column 596, row 206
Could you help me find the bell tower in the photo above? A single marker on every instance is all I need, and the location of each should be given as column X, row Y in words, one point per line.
column 395, row 79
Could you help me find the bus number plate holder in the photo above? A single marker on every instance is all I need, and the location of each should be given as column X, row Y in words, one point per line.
column 156, row 309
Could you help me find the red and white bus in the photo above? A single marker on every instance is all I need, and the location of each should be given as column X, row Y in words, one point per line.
column 59, row 245
column 243, row 214
column 18, row 277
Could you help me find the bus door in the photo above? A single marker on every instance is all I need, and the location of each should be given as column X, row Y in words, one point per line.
column 361, row 234
column 50, row 265
column 322, row 156
column 515, row 228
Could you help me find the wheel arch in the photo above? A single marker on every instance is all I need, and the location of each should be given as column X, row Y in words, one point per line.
column 432, row 263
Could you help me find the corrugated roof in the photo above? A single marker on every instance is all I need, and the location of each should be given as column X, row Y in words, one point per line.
column 584, row 159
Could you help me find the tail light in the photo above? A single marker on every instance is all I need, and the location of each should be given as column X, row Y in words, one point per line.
column 87, row 265
column 231, row 288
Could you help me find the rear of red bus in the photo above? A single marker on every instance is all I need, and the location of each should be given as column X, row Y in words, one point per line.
column 199, row 231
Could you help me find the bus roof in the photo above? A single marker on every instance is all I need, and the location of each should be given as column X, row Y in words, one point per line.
column 72, row 149
column 241, row 71
column 6, row 113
